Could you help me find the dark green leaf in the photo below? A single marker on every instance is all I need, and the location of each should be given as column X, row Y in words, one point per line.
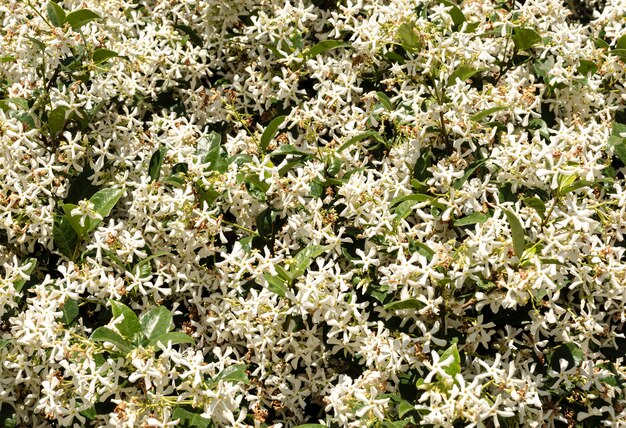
column 463, row 73
column 101, row 55
column 173, row 337
column 210, row 151
column 334, row 166
column 385, row 101
column 65, row 238
column 271, row 130
column 10, row 103
column 517, row 232
column 189, row 419
column 404, row 304
column 143, row 268
column 367, row 134
column 570, row 352
column 311, row 426
column 586, row 67
column 156, row 161
column 27, row 267
column 621, row 42
column 56, row 14
column 276, row 285
column 324, row 46
column 525, row 38
column 70, row 311
column 458, row 18
column 537, row 204
column 56, row 119
column 288, row 149
column 468, row 173
column 156, row 322
column 7, row 416
column 485, row 113
column 89, row 413
column 473, row 218
column 405, row 407
column 81, row 17
column 421, row 248
column 105, row 334
column 194, row 38
column 129, row 326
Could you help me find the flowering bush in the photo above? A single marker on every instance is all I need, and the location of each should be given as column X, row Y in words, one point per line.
column 337, row 212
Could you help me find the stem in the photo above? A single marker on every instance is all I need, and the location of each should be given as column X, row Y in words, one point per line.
column 549, row 213
column 245, row 229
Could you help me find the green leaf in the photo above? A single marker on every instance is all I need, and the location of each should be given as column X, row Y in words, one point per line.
column 473, row 218
column 10, row 103
column 194, row 38
column 103, row 201
column 4, row 342
column 304, row 258
column 27, row 267
column 101, row 55
column 311, row 426
column 288, row 149
column 463, row 73
column 485, row 113
column 405, row 407
column 409, row 37
column 586, row 67
column 458, row 18
column 173, row 337
column 517, row 232
column 189, row 419
column 385, row 101
column 367, row 134
column 7, row 58
column 156, row 161
column 56, row 119
column 81, row 17
column 129, row 326
column 56, row 14
column 271, row 130
column 323, row 46
column 276, row 285
column 7, row 416
column 537, row 204
column 421, row 248
column 570, row 352
column 105, row 334
column 235, row 373
column 65, row 238
column 90, row 413
column 525, row 38
column 156, row 322
column 210, row 151
column 468, row 173
column 143, row 268
column 404, row 304
column 70, row 311
column 621, row 42
column 454, row 367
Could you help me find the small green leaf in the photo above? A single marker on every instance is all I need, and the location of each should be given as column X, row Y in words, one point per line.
column 404, row 304
column 189, row 419
column 129, row 326
column 4, row 342
column 409, row 37
column 210, row 151
column 454, row 367
column 463, row 73
column 323, row 46
column 172, row 337
column 56, row 14
column 621, row 42
column 105, row 334
column 365, row 135
column 156, row 322
column 70, row 311
column 570, row 352
column 405, row 407
column 7, row 58
column 517, row 232
column 304, row 258
column 143, row 268
column 156, row 161
column 385, row 101
column 90, row 413
column 271, row 130
column 103, row 201
column 101, row 55
column 485, row 113
column 470, row 219
column 276, row 285
column 288, row 149
column 235, row 373
column 525, row 38
column 81, row 17
column 56, row 120
column 458, row 18
column 194, row 38
column 421, row 248
column 535, row 203
column 458, row 184
column 27, row 267
column 65, row 238
column 586, row 67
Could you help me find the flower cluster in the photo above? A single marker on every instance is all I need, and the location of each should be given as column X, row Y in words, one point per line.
column 260, row 213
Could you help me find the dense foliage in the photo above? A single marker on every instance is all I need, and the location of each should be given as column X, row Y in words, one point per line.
column 340, row 212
